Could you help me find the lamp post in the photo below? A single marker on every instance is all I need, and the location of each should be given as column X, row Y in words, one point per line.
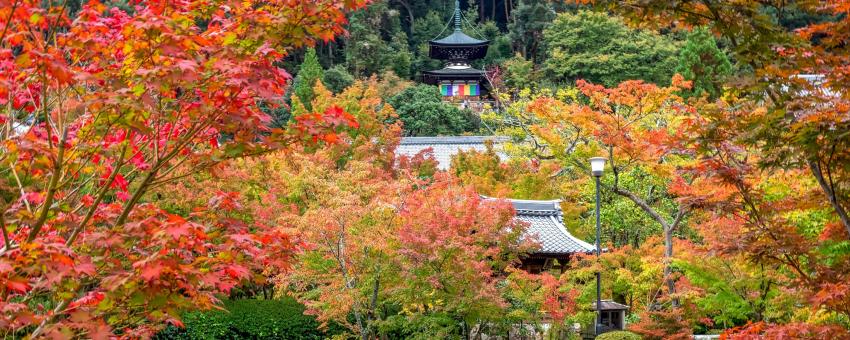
column 597, row 164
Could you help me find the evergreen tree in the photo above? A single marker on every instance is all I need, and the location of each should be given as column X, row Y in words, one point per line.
column 429, row 27
column 309, row 72
column 500, row 44
column 520, row 73
column 424, row 113
column 528, row 21
column 337, row 79
column 703, row 63
column 377, row 43
column 603, row 50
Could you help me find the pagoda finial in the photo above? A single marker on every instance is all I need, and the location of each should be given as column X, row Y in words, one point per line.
column 457, row 15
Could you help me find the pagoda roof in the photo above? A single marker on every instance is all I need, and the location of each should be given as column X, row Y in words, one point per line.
column 458, row 38
column 456, row 71
column 448, row 73
column 457, row 46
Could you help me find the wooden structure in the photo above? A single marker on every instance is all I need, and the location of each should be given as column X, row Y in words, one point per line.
column 458, row 80
column 613, row 315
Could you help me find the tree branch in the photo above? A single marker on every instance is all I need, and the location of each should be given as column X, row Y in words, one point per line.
column 100, row 195
column 643, row 205
column 814, row 166
column 51, row 188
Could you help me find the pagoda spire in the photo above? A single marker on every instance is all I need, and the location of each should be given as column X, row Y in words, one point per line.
column 457, row 15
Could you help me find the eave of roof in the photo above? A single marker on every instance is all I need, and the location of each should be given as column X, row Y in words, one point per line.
column 442, row 140
column 610, row 305
column 456, row 71
column 545, row 221
column 460, row 39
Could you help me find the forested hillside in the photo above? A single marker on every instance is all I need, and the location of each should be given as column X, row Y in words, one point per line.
column 393, row 36
column 561, row 41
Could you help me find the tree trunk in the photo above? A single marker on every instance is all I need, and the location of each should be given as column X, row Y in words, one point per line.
column 828, row 188
column 409, row 13
column 668, row 270
column 668, row 229
column 481, row 10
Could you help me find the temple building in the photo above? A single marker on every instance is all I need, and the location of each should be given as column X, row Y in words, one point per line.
column 458, row 80
column 544, row 218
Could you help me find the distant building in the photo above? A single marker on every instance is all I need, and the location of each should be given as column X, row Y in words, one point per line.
column 613, row 315
column 458, row 80
column 443, row 148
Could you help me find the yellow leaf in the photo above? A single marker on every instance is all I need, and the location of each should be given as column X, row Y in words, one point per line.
column 229, row 38
column 36, row 18
column 139, row 89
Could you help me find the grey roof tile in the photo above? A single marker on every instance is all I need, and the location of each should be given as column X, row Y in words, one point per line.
column 610, row 305
column 545, row 222
column 458, row 38
column 446, row 147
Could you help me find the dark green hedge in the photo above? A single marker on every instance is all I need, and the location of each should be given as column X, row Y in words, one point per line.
column 249, row 319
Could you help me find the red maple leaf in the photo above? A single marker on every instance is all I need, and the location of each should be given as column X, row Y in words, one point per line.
column 18, row 284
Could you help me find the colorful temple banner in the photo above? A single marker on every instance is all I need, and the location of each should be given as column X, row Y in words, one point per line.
column 459, row 90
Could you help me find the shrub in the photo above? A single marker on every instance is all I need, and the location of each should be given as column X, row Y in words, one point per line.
column 337, row 79
column 249, row 319
column 420, row 327
column 618, row 335
column 424, row 113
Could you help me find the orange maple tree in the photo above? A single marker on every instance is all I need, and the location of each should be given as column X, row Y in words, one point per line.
column 770, row 177
column 103, row 107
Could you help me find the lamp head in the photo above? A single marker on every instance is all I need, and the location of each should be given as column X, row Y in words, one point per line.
column 597, row 165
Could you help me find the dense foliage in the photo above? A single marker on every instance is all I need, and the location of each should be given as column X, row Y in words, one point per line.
column 704, row 64
column 602, row 49
column 158, row 166
column 101, row 109
column 424, row 113
column 619, row 335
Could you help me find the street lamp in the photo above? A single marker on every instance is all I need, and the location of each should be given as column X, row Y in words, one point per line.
column 597, row 164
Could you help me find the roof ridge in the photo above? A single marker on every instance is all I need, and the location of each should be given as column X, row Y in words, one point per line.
column 437, row 140
column 528, row 212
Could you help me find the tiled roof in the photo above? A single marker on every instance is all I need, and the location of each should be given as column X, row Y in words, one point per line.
column 545, row 221
column 458, row 38
column 446, row 147
column 610, row 305
column 544, row 218
column 457, row 71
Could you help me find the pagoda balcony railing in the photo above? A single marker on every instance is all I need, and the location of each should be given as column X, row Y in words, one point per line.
column 474, row 105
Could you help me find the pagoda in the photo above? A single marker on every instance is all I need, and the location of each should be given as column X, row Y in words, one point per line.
column 458, row 79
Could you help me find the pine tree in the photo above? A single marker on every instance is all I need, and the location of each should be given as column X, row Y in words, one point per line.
column 702, row 62
column 309, row 72
column 530, row 18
